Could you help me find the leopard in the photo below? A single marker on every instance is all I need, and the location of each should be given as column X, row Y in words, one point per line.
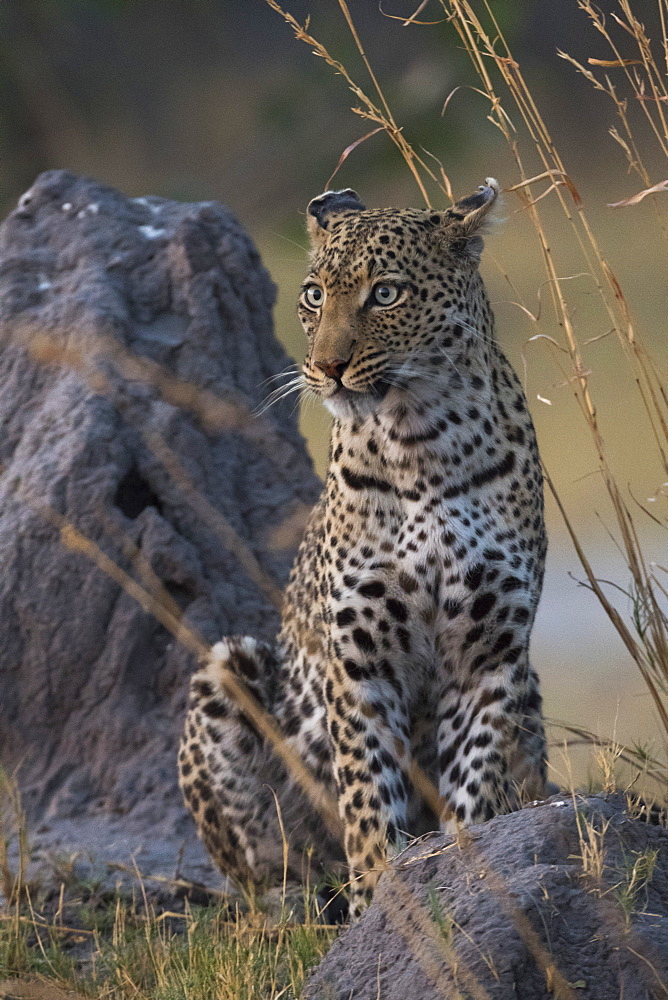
column 403, row 650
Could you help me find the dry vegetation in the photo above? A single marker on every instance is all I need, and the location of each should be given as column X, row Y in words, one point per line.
column 123, row 947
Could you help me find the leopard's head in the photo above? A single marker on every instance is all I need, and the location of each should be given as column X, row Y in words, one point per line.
column 381, row 302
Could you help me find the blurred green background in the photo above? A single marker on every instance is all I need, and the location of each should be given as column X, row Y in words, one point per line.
column 215, row 99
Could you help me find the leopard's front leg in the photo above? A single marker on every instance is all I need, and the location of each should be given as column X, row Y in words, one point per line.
column 367, row 723
column 491, row 743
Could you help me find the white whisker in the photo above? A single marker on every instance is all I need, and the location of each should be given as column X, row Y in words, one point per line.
column 290, row 370
column 295, row 385
column 447, row 357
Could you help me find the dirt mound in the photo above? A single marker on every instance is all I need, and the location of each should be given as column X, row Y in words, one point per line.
column 553, row 901
column 127, row 325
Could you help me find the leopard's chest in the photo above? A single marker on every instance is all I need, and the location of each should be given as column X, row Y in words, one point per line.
column 423, row 548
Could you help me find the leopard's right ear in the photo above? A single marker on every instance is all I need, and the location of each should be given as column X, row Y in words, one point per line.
column 466, row 219
column 322, row 213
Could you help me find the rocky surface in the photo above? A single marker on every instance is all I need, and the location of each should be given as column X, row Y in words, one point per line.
column 513, row 910
column 125, row 323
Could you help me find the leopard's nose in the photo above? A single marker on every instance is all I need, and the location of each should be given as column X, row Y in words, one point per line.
column 334, row 368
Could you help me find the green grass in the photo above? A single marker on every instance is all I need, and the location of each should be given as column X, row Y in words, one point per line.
column 631, row 892
column 125, row 951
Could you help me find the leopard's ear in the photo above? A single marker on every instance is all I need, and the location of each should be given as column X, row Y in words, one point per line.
column 322, row 212
column 465, row 220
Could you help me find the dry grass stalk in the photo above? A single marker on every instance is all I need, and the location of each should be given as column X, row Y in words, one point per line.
column 592, row 845
column 649, row 647
column 12, row 827
column 96, row 359
column 369, row 109
column 430, row 946
column 214, row 412
column 554, row 980
column 636, row 757
column 215, row 520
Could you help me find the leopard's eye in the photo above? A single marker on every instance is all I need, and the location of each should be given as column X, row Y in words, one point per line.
column 313, row 296
column 384, row 295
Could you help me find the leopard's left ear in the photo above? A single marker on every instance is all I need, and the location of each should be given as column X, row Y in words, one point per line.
column 322, row 212
column 467, row 217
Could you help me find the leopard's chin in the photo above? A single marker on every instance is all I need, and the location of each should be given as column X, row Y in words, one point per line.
column 354, row 403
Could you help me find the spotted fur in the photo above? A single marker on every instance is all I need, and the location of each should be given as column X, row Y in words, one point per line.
column 405, row 632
